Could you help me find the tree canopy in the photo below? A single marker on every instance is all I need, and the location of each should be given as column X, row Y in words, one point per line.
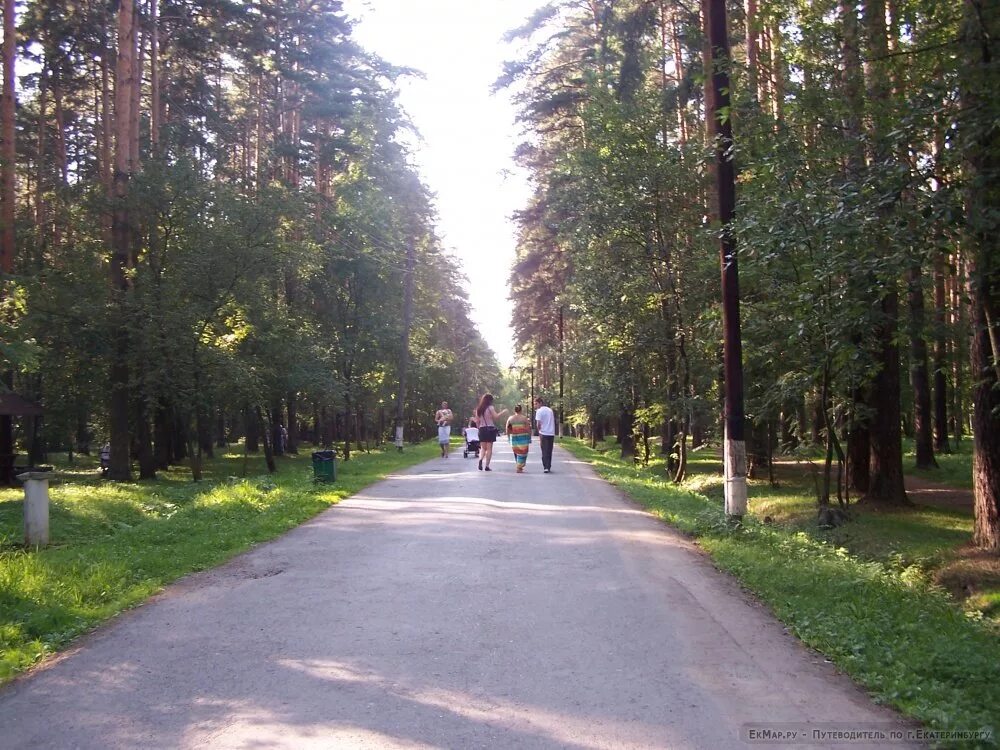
column 865, row 144
column 212, row 206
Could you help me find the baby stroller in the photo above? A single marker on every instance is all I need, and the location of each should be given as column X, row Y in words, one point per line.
column 471, row 442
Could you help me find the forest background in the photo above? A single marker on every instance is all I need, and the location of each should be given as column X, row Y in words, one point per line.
column 867, row 146
column 209, row 222
column 213, row 229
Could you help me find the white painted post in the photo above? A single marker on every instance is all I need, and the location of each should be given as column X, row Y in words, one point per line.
column 36, row 507
column 735, row 476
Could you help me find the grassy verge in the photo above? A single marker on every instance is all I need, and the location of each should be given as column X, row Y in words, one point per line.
column 953, row 469
column 114, row 545
column 877, row 614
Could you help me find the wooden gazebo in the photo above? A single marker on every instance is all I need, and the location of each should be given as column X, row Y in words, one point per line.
column 11, row 405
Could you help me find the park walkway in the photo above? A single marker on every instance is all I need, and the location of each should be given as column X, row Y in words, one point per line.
column 444, row 607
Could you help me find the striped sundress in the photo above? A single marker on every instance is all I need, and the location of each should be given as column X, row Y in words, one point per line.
column 519, row 434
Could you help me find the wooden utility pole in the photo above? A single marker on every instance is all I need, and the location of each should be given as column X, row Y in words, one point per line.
column 978, row 82
column 404, row 344
column 721, row 131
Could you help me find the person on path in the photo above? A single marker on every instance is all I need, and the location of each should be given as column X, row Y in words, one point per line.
column 443, row 417
column 519, row 435
column 545, row 419
column 487, row 416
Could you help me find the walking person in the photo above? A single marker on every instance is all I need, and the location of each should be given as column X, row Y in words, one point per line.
column 443, row 417
column 519, row 435
column 487, row 416
column 545, row 419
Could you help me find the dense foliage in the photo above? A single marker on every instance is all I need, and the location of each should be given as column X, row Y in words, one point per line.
column 214, row 204
column 867, row 146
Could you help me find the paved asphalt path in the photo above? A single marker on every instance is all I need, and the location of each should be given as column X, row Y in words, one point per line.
column 444, row 607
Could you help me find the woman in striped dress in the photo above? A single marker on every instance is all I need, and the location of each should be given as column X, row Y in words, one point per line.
column 519, row 435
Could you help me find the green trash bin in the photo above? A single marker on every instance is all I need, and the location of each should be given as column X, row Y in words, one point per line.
column 324, row 466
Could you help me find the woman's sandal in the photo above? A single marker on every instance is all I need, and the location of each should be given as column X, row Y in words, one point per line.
column 480, row 465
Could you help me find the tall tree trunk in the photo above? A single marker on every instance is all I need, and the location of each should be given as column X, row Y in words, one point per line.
column 777, row 72
column 818, row 419
column 275, row 427
column 941, row 444
column 221, row 439
column 121, row 239
column 347, row 432
column 205, row 441
column 292, row 447
column 163, row 434
column 626, row 433
column 194, row 452
column 8, row 194
column 144, row 438
column 678, row 57
column 666, row 436
column 858, row 447
column 959, row 322
column 598, row 431
column 404, row 343
column 852, row 84
column 919, row 371
column 8, row 152
column 105, row 166
column 980, row 80
column 155, row 115
column 268, row 446
column 886, row 460
column 252, row 428
column 697, row 430
column 42, row 165
column 82, row 439
column 136, row 98
column 919, row 375
column 180, row 443
column 720, row 128
column 758, row 449
column 752, row 49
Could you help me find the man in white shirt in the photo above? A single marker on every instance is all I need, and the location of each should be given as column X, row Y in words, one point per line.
column 545, row 420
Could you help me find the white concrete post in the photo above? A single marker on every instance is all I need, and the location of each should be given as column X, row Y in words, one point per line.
column 36, row 507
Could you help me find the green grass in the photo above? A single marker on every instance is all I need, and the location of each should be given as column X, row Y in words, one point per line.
column 114, row 545
column 954, row 469
column 862, row 594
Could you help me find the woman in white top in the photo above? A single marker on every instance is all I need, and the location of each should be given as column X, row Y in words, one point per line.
column 487, row 416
